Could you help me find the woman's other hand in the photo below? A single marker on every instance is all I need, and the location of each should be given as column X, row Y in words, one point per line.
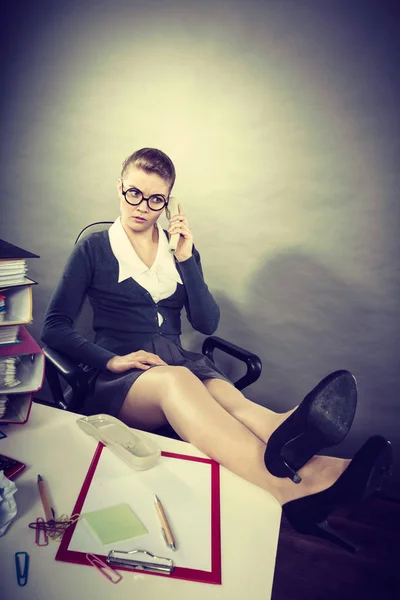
column 179, row 224
column 135, row 360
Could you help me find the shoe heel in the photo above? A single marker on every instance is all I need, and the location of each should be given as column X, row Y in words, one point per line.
column 320, row 529
column 290, row 472
column 326, row 532
column 386, row 474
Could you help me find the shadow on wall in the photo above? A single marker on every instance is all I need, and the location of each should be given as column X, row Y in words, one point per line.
column 304, row 321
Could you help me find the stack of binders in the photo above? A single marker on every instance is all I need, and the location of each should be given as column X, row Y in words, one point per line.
column 21, row 358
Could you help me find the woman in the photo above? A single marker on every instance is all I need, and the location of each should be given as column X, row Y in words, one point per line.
column 137, row 290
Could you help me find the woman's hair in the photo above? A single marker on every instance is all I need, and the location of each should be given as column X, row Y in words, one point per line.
column 151, row 160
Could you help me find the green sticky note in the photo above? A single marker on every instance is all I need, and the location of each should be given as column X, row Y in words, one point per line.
column 115, row 524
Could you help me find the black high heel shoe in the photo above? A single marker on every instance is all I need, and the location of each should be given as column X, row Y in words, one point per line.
column 363, row 477
column 323, row 419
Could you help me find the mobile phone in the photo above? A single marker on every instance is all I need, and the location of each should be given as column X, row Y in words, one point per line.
column 171, row 210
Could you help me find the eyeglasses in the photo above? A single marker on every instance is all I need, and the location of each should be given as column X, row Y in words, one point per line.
column 134, row 197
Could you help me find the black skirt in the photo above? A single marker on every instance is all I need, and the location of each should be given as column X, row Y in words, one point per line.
column 111, row 388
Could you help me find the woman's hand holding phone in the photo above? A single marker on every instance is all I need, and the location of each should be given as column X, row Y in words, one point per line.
column 178, row 225
column 134, row 360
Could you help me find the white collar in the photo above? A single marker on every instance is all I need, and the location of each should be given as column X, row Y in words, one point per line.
column 130, row 265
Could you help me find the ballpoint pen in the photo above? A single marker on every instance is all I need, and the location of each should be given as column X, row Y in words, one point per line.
column 165, row 528
column 48, row 511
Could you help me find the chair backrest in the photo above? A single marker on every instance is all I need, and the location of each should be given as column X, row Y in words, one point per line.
column 93, row 228
column 85, row 318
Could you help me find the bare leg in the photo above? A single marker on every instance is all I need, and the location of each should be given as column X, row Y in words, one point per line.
column 260, row 420
column 179, row 396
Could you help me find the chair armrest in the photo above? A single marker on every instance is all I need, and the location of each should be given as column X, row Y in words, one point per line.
column 65, row 366
column 58, row 364
column 253, row 362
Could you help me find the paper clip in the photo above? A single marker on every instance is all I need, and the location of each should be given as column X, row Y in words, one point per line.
column 51, row 528
column 54, row 530
column 74, row 518
column 41, row 537
column 104, row 569
column 22, row 567
column 62, row 525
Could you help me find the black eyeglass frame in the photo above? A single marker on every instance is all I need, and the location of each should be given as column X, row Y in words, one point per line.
column 147, row 200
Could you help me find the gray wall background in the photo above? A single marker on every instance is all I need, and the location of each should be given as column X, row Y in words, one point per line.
column 282, row 119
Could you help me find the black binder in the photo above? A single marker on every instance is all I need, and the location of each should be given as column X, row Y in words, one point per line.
column 8, row 250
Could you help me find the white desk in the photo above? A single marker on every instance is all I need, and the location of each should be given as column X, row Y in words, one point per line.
column 52, row 444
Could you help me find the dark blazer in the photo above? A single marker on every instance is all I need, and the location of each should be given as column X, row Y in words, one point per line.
column 124, row 314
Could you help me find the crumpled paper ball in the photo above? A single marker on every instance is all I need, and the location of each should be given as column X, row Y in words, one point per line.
column 8, row 506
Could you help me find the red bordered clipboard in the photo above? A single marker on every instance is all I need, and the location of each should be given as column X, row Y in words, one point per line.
column 213, row 576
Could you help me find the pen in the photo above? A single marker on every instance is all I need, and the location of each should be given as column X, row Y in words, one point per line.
column 48, row 511
column 165, row 528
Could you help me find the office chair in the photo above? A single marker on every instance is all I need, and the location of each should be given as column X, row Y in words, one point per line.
column 80, row 378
